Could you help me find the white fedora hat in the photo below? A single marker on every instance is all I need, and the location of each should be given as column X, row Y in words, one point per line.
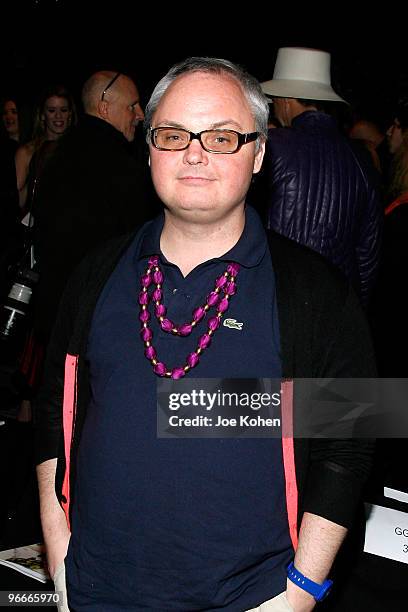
column 301, row 73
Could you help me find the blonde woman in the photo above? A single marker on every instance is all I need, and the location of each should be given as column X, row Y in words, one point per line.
column 55, row 113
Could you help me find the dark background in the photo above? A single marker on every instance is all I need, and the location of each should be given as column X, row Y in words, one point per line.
column 48, row 41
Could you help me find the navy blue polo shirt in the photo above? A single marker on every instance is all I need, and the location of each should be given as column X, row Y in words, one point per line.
column 177, row 524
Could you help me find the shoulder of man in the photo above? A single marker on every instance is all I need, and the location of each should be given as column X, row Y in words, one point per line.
column 287, row 143
column 281, row 135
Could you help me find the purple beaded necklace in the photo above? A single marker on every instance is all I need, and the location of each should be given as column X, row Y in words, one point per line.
column 154, row 275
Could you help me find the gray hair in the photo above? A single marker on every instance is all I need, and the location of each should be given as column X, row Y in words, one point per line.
column 251, row 88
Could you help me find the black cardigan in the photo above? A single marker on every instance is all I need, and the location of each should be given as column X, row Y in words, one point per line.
column 323, row 335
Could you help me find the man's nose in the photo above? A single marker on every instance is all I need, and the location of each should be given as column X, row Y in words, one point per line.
column 138, row 110
column 195, row 154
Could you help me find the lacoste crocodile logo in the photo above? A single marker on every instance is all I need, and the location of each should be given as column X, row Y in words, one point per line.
column 233, row 324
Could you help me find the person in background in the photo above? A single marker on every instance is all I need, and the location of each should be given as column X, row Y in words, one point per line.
column 203, row 524
column 54, row 114
column 16, row 119
column 10, row 119
column 20, row 365
column 13, row 132
column 397, row 138
column 375, row 140
column 390, row 306
column 93, row 189
column 322, row 194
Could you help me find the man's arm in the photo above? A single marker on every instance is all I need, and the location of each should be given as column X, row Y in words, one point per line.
column 54, row 524
column 338, row 468
column 48, row 416
column 319, row 542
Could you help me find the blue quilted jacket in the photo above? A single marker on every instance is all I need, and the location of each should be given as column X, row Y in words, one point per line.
column 323, row 194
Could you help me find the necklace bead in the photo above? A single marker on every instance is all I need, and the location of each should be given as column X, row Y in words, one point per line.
column 143, row 298
column 212, row 299
column 160, row 310
column 157, row 277
column 185, row 329
column 177, row 373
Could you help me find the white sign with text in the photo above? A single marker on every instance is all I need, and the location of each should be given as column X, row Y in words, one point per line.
column 386, row 533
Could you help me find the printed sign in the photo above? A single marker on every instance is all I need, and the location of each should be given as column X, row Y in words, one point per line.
column 386, row 533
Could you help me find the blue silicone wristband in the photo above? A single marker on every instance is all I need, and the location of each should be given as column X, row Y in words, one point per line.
column 318, row 591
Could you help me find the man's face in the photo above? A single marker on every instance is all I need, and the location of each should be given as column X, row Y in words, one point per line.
column 193, row 184
column 394, row 136
column 125, row 111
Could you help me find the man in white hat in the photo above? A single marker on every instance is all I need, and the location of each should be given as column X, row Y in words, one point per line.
column 321, row 190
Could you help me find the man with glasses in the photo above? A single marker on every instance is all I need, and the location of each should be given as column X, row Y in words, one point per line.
column 196, row 524
column 97, row 187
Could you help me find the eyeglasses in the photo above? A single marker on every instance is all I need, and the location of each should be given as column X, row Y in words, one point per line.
column 109, row 85
column 213, row 141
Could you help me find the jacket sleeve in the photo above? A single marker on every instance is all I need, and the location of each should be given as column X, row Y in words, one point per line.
column 340, row 467
column 48, row 405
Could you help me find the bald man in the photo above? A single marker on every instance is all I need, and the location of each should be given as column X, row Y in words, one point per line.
column 94, row 189
column 114, row 98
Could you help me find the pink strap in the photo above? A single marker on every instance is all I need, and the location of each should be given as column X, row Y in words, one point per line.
column 289, row 459
column 69, row 405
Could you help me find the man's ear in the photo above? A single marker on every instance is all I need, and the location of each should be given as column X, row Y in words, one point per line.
column 288, row 104
column 259, row 155
column 103, row 109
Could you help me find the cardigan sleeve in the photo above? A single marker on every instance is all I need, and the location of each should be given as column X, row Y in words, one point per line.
column 339, row 468
column 48, row 404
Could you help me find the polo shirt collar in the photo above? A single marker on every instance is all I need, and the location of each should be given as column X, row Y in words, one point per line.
column 248, row 251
